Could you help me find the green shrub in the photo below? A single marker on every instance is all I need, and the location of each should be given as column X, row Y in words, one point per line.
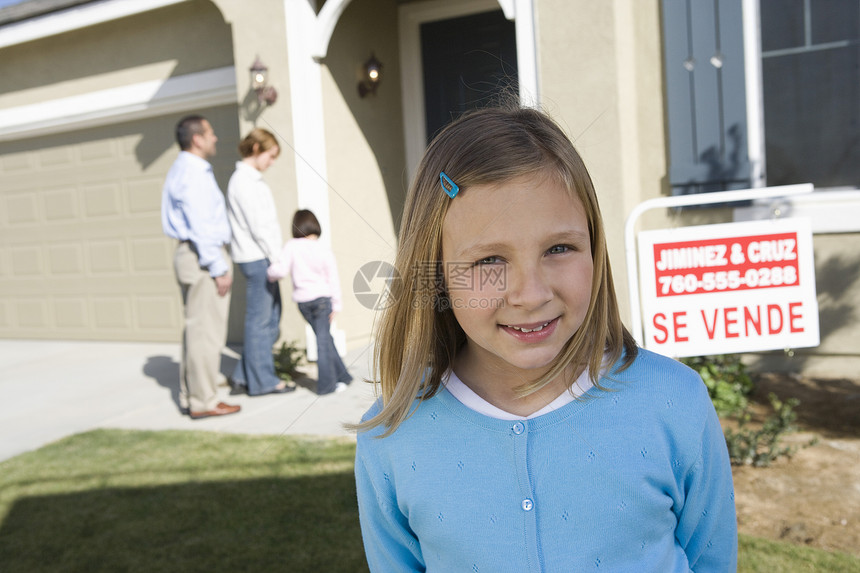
column 760, row 447
column 727, row 380
column 287, row 359
column 729, row 386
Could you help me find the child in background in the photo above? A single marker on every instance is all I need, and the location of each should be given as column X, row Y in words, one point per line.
column 316, row 289
column 519, row 426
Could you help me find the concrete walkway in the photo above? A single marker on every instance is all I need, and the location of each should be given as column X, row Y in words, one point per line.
column 52, row 389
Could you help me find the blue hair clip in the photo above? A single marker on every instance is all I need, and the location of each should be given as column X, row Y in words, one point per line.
column 448, row 186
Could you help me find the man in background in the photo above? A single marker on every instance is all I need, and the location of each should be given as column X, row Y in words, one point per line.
column 193, row 212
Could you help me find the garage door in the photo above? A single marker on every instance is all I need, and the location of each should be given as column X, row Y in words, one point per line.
column 82, row 255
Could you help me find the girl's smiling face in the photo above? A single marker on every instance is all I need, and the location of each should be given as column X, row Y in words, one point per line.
column 518, row 270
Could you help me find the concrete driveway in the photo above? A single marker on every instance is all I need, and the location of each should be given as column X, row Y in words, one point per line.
column 52, row 389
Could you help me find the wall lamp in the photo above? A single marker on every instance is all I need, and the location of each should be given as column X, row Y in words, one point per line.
column 260, row 83
column 370, row 77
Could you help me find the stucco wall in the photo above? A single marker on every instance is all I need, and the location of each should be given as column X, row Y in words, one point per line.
column 171, row 41
column 364, row 147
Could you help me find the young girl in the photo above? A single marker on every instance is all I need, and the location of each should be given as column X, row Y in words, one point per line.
column 316, row 289
column 519, row 427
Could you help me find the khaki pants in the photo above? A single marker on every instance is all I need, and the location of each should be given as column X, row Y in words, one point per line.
column 205, row 330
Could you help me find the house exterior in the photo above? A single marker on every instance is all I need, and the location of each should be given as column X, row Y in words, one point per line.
column 661, row 97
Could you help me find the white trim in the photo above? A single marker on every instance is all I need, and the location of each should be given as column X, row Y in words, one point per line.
column 509, row 8
column 527, row 70
column 305, row 33
column 324, row 26
column 833, row 211
column 754, row 92
column 306, row 97
column 126, row 103
column 75, row 18
column 411, row 17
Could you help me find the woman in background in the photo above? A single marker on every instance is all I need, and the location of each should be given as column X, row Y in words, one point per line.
column 256, row 240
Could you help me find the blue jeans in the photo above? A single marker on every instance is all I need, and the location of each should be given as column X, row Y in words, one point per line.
column 330, row 366
column 256, row 367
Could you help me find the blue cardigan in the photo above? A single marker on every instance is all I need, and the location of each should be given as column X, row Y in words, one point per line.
column 636, row 479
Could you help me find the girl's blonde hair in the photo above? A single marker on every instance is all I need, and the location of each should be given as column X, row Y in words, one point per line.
column 256, row 142
column 417, row 335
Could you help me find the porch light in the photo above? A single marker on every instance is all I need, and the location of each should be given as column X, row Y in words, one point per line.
column 372, row 75
column 260, row 83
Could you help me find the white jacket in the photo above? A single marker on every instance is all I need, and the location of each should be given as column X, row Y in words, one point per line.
column 253, row 217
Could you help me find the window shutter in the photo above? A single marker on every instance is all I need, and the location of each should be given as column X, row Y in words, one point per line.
column 705, row 92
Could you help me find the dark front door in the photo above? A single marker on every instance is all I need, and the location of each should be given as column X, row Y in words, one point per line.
column 469, row 62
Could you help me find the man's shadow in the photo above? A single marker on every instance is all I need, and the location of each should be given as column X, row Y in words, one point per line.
column 165, row 371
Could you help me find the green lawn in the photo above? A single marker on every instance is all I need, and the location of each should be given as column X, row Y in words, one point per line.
column 112, row 500
column 757, row 555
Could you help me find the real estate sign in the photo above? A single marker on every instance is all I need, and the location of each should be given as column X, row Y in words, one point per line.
column 736, row 287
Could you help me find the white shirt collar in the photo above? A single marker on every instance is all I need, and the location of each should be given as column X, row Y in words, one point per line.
column 248, row 170
column 195, row 159
column 471, row 400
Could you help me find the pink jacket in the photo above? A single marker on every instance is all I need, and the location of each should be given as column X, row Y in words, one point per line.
column 312, row 268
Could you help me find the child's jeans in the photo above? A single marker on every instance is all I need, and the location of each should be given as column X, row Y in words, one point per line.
column 330, row 366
